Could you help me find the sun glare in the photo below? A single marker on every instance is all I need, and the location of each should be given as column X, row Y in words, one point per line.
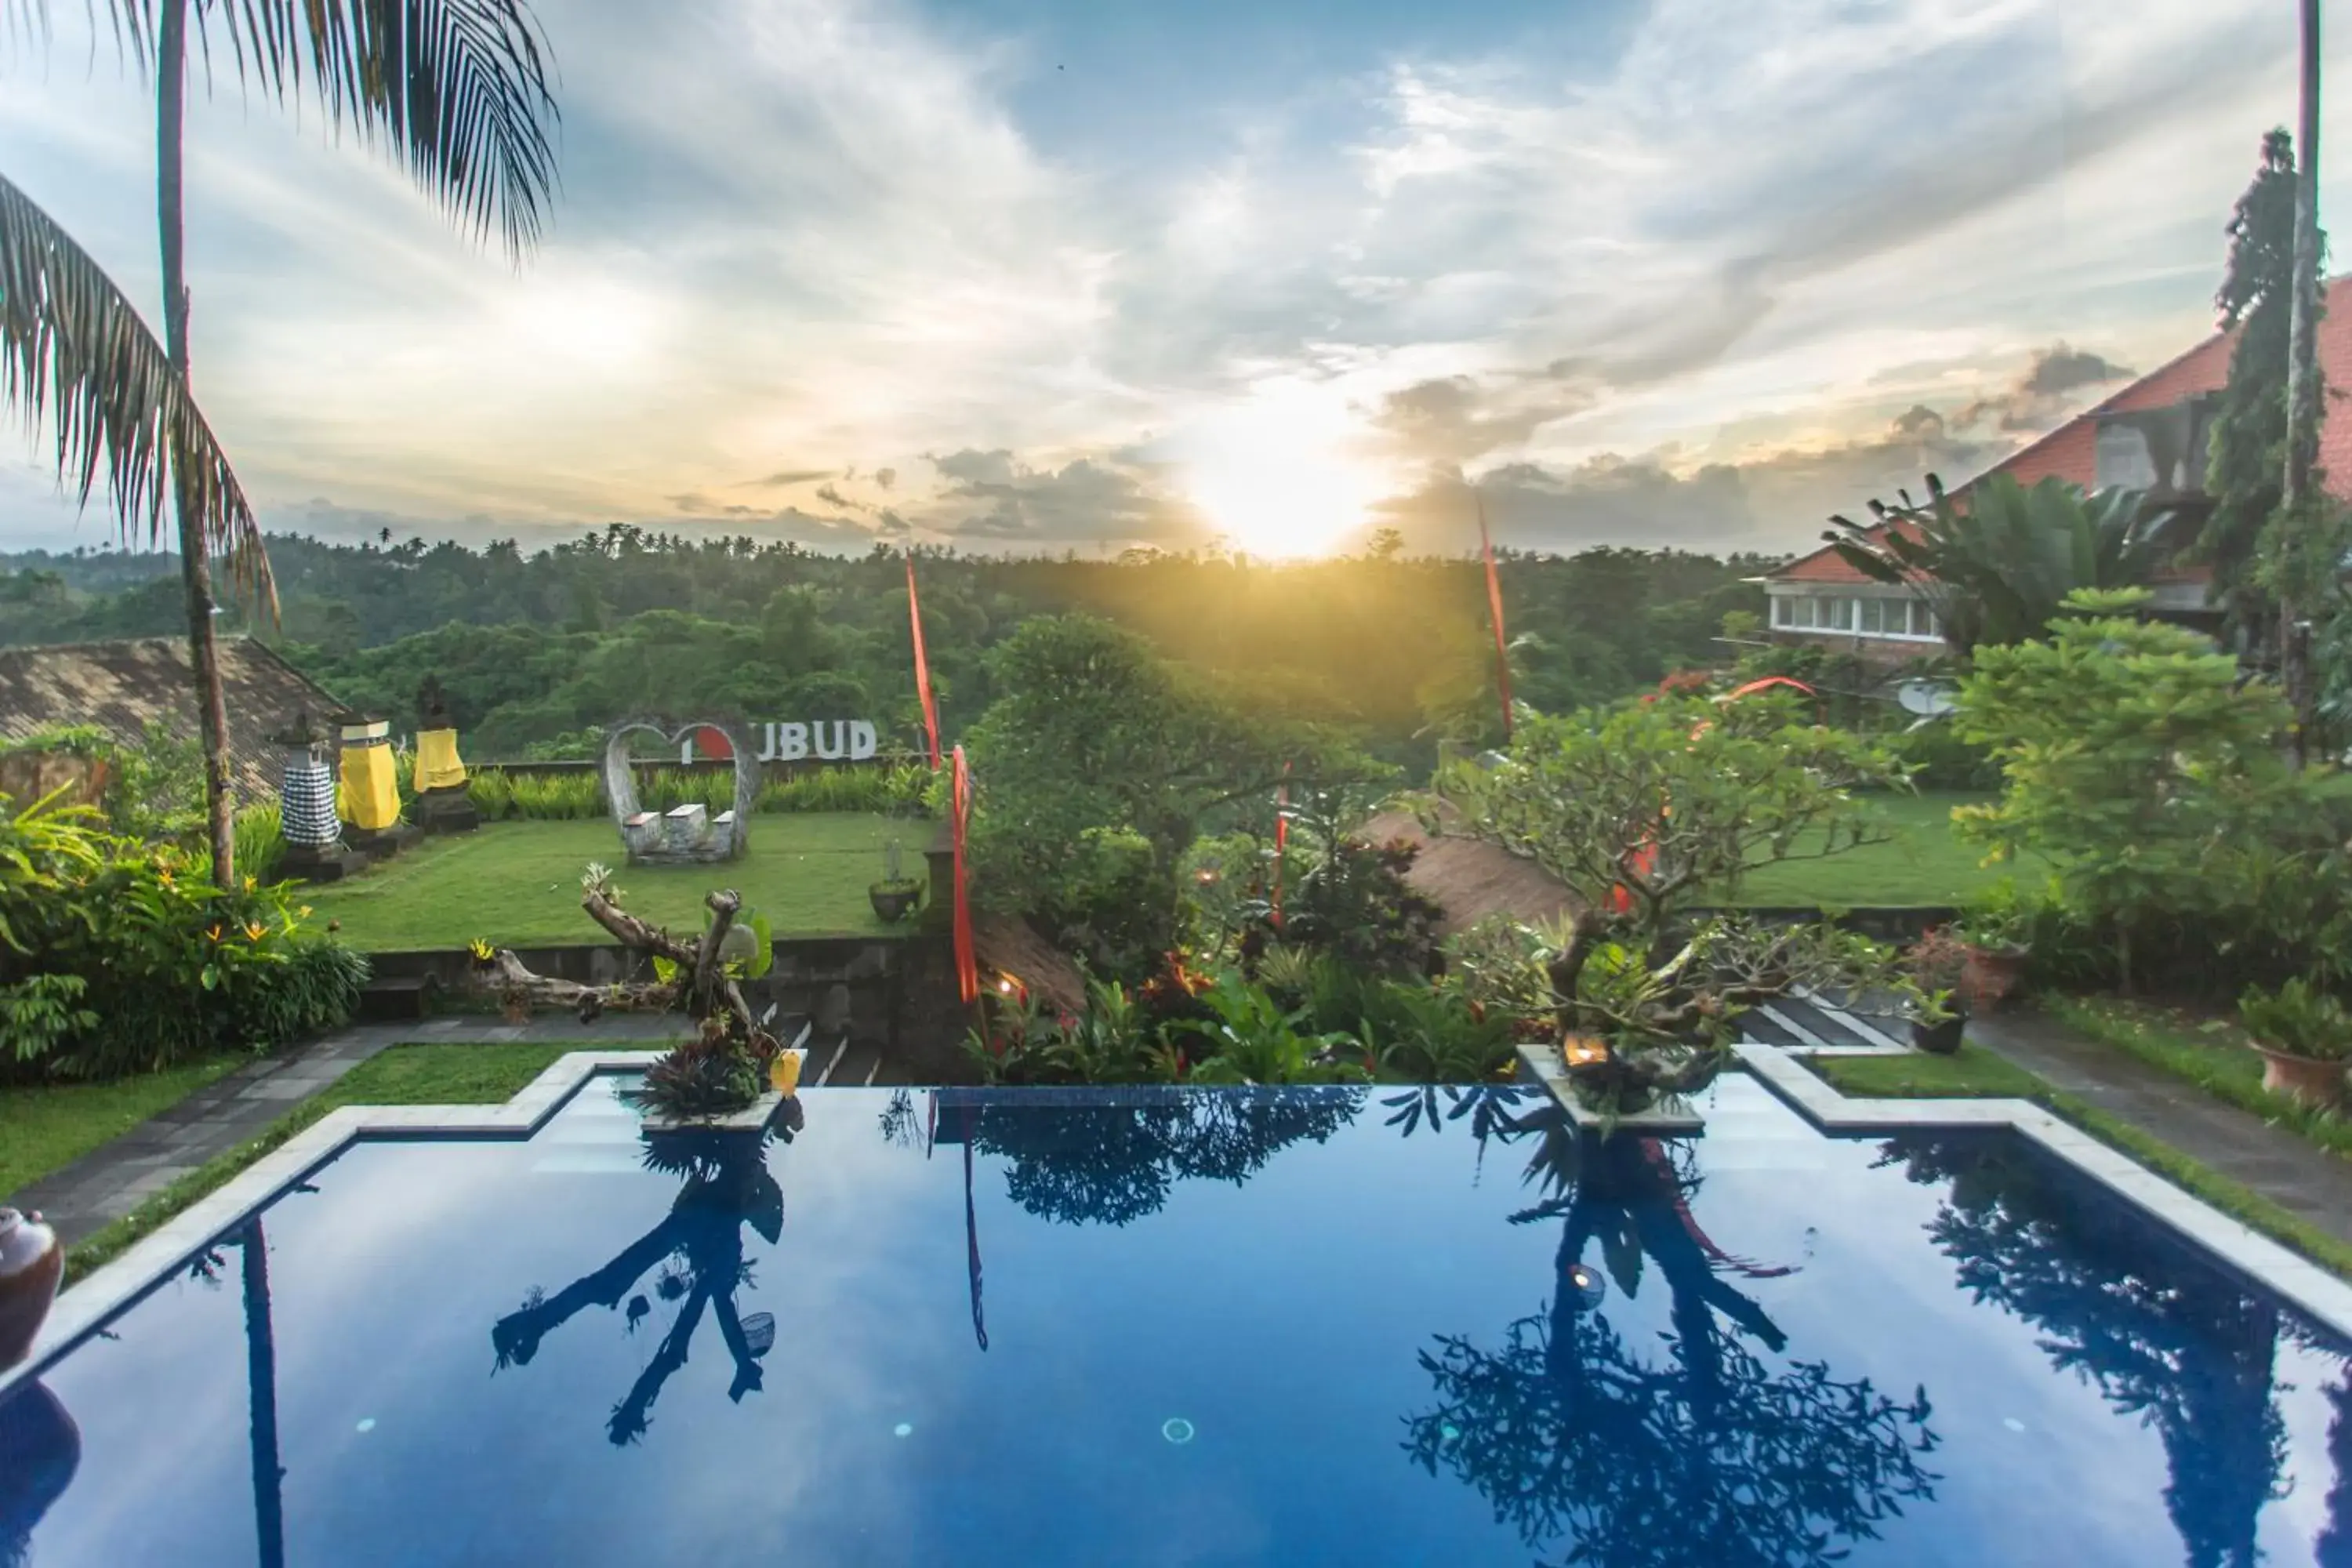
column 1276, row 475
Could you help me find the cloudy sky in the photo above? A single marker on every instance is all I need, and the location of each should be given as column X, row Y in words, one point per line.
column 1025, row 274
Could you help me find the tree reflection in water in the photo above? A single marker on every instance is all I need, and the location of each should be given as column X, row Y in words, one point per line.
column 1080, row 1160
column 1713, row 1457
column 728, row 1185
column 40, row 1449
column 2159, row 1331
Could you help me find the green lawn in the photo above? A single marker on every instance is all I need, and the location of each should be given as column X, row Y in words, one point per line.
column 517, row 884
column 442, row 1073
column 1924, row 863
column 48, row 1127
column 1970, row 1073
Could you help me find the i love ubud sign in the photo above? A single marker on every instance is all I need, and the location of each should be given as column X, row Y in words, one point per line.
column 827, row 740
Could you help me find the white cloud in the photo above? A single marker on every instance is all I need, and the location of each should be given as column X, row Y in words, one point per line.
column 813, row 235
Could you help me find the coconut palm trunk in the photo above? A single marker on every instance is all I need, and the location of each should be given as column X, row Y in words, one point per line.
column 195, row 564
column 2302, row 410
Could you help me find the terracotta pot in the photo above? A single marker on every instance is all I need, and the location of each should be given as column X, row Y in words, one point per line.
column 1990, row 975
column 31, row 1260
column 2309, row 1079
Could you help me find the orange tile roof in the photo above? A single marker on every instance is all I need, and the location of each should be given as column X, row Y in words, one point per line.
column 2070, row 452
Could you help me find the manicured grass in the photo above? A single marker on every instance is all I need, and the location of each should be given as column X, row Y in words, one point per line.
column 1971, row 1073
column 1977, row 1074
column 442, row 1073
column 47, row 1127
column 2212, row 1054
column 517, row 884
column 1924, row 863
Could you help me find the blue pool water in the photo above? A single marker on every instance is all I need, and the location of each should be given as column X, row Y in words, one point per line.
column 1119, row 1327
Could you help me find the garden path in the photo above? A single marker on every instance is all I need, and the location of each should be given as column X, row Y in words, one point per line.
column 2306, row 1180
column 116, row 1177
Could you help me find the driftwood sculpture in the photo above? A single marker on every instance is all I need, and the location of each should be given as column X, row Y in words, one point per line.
column 721, row 1070
column 697, row 977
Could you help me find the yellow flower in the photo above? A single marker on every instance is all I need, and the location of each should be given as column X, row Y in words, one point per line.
column 250, row 884
column 214, row 934
column 481, row 950
column 164, row 875
column 303, row 913
column 255, row 931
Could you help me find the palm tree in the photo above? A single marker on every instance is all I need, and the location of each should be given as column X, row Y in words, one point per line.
column 1997, row 571
column 73, row 348
column 456, row 88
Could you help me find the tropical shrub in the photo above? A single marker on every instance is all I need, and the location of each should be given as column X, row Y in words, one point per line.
column 1249, row 1037
column 892, row 789
column 1999, row 569
column 1093, row 734
column 2139, row 764
column 2298, row 1019
column 1347, row 896
column 557, row 797
column 119, row 957
column 261, row 840
column 491, row 792
column 154, row 790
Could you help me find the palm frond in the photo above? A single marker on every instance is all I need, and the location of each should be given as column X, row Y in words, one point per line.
column 457, row 88
column 74, row 349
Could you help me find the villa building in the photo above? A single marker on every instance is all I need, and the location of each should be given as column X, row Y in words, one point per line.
column 2152, row 436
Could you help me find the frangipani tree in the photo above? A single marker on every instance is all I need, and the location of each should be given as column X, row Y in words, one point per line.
column 1642, row 811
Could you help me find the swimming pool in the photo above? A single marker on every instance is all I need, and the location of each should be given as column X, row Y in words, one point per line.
column 1130, row 1326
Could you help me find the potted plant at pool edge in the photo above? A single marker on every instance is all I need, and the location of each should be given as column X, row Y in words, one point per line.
column 1991, row 934
column 2305, row 1036
column 896, row 895
column 1937, row 963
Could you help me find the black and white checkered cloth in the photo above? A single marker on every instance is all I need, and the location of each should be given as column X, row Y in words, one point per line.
column 308, row 805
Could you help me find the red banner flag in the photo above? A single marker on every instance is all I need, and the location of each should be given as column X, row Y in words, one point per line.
column 1281, row 838
column 959, row 817
column 922, row 667
column 1495, row 609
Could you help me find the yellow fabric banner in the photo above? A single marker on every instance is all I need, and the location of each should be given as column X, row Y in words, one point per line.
column 437, row 766
column 372, row 797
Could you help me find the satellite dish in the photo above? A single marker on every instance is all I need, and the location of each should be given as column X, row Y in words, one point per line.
column 1928, row 698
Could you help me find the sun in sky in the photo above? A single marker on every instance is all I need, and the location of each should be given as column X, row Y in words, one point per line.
column 1282, row 471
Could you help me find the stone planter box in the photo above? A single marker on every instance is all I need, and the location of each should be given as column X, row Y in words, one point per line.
column 1537, row 1062
column 750, row 1119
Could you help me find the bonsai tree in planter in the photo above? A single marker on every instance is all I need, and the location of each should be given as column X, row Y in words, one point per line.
column 1644, row 811
column 1938, row 965
column 2305, row 1036
column 1637, row 1027
column 725, row 1068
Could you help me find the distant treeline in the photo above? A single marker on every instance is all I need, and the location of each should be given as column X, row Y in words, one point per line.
column 534, row 650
